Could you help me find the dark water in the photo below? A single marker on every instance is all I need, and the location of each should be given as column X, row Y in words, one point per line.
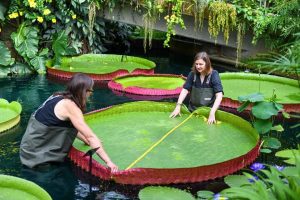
column 68, row 182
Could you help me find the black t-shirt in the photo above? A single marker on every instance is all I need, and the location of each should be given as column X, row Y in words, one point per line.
column 46, row 114
column 214, row 82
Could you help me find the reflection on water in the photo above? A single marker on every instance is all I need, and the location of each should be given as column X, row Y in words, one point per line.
column 68, row 182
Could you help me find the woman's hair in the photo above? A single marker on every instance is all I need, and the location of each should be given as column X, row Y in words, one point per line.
column 77, row 88
column 204, row 56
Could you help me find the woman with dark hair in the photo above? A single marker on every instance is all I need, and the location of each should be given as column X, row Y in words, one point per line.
column 53, row 127
column 205, row 86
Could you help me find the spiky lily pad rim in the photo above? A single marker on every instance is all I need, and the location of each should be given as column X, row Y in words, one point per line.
column 115, row 85
column 234, row 103
column 165, row 175
column 63, row 74
column 13, row 120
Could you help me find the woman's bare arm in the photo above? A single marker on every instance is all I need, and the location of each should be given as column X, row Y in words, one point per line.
column 76, row 117
column 180, row 100
column 212, row 118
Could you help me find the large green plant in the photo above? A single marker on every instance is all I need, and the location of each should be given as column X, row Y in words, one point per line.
column 60, row 47
column 26, row 44
column 286, row 61
column 5, row 55
column 263, row 113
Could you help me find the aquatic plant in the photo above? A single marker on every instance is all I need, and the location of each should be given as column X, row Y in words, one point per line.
column 263, row 113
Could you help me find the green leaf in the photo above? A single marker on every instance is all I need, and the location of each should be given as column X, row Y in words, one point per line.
column 60, row 47
column 38, row 63
column 44, row 52
column 286, row 115
column 20, row 68
column 264, row 110
column 272, row 143
column 265, row 150
column 26, row 41
column 164, row 193
column 236, row 180
column 205, row 194
column 262, row 126
column 278, row 128
column 290, row 154
column 255, row 97
column 5, row 55
column 290, row 171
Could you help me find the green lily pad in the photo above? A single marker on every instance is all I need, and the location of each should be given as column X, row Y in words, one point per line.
column 151, row 81
column 14, row 188
column 152, row 140
column 103, row 63
column 236, row 180
column 240, row 84
column 10, row 114
column 164, row 193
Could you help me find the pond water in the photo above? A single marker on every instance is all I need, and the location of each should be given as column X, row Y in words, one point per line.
column 68, row 182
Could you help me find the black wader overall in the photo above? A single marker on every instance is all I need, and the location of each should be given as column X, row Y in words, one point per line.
column 45, row 144
column 201, row 96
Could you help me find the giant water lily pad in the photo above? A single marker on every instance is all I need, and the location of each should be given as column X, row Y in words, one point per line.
column 150, row 147
column 239, row 84
column 164, row 193
column 102, row 66
column 14, row 188
column 10, row 114
column 151, row 85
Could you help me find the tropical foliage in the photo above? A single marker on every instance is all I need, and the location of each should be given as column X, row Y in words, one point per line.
column 263, row 113
column 45, row 29
column 272, row 20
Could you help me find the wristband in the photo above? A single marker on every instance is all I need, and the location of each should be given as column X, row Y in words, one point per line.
column 178, row 104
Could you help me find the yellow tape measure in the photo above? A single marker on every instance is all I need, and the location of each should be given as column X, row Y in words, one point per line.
column 159, row 141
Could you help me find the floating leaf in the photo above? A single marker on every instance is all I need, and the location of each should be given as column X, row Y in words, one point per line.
column 164, row 193
column 236, row 180
column 205, row 194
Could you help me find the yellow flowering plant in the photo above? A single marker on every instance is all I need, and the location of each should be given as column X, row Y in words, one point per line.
column 34, row 10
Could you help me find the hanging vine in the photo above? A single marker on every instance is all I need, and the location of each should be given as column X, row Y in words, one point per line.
column 173, row 18
column 199, row 11
column 222, row 17
column 240, row 36
column 92, row 15
column 149, row 18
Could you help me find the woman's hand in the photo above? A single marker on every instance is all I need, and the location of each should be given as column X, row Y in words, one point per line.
column 176, row 111
column 112, row 166
column 211, row 118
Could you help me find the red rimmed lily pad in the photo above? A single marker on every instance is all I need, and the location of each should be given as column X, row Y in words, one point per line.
column 101, row 67
column 239, row 84
column 148, row 85
column 10, row 114
column 151, row 148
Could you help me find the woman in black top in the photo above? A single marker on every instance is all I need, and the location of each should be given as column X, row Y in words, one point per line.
column 57, row 122
column 205, row 86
